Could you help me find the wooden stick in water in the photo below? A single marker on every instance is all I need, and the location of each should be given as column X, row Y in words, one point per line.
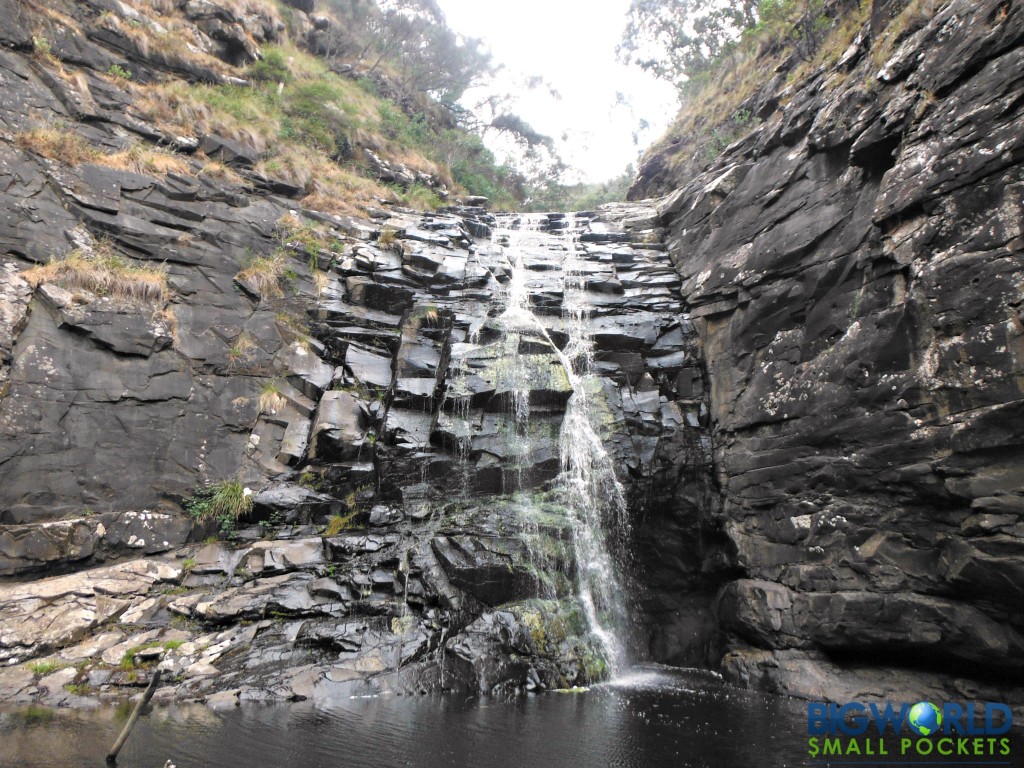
column 112, row 756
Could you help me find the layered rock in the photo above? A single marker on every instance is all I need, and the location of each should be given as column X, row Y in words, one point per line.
column 855, row 270
column 400, row 425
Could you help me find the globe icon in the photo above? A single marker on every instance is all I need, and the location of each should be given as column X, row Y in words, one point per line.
column 924, row 718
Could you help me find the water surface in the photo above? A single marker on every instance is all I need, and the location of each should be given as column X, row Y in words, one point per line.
column 649, row 718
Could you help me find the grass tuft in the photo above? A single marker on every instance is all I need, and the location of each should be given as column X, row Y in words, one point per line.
column 271, row 399
column 44, row 667
column 340, row 523
column 226, row 500
column 57, row 143
column 264, row 274
column 105, row 273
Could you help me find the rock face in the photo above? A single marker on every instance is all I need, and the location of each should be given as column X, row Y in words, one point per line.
column 422, row 400
column 395, row 429
column 855, row 270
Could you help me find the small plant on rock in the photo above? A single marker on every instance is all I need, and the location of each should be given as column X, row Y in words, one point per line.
column 225, row 501
column 271, row 398
column 340, row 523
column 388, row 240
column 43, row 667
column 263, row 274
column 118, row 72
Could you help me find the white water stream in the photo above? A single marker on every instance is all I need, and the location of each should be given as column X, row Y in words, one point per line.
column 593, row 497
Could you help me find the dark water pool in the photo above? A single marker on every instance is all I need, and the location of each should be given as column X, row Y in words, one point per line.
column 651, row 718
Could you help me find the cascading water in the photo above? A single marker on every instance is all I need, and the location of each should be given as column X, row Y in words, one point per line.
column 592, row 496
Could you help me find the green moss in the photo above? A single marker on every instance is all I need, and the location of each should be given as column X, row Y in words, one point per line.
column 339, row 523
column 128, row 659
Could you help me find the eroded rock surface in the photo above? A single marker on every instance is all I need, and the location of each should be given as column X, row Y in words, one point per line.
column 855, row 266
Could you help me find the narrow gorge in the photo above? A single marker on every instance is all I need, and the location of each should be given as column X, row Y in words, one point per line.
column 766, row 419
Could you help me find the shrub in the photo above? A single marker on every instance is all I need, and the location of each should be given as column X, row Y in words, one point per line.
column 118, row 72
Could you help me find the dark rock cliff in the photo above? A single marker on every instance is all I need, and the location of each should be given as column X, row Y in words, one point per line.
column 855, row 269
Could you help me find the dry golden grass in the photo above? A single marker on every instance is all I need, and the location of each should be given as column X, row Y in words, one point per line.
column 64, row 145
column 271, row 400
column 345, row 193
column 264, row 275
column 104, row 273
column 140, row 158
column 57, row 143
column 175, row 39
column 320, row 282
column 914, row 16
column 217, row 170
column 244, row 344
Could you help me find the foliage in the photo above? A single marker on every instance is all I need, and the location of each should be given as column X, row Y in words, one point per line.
column 802, row 21
column 675, row 39
column 225, row 501
column 272, row 68
column 43, row 667
column 685, row 40
column 556, row 196
column 118, row 72
column 412, row 42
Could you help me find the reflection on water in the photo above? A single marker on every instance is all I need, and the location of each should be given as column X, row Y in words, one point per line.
column 649, row 718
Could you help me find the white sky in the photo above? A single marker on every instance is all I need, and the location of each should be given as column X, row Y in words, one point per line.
column 571, row 43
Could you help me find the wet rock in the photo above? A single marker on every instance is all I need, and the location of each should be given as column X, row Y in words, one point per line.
column 851, row 295
column 486, row 569
column 339, row 428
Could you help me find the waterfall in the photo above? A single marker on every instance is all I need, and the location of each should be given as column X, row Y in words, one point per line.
column 593, row 495
column 593, row 498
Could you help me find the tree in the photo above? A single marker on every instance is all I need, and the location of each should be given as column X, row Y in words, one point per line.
column 677, row 39
column 804, row 20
